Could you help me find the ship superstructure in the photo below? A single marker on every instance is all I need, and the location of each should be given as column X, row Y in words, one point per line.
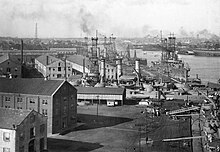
column 170, row 65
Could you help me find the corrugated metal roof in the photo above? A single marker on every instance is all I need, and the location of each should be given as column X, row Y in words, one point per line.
column 10, row 117
column 43, row 59
column 78, row 59
column 104, row 90
column 35, row 86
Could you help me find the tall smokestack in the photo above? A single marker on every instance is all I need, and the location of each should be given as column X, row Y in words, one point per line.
column 22, row 49
column 102, row 70
column 47, row 60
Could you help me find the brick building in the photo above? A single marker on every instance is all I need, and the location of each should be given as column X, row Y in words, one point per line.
column 22, row 131
column 56, row 99
column 52, row 67
column 10, row 65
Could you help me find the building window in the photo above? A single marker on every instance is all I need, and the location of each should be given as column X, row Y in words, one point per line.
column 56, row 111
column 32, row 118
column 16, row 69
column 8, row 69
column 44, row 102
column 21, row 149
column 6, row 149
column 31, row 100
column 7, row 106
column 21, row 137
column 41, row 144
column 72, row 106
column 59, row 64
column 112, row 70
column 19, row 107
column 49, row 69
column 59, row 75
column 65, row 110
column 59, row 68
column 42, row 128
column 32, row 132
column 108, row 70
column 19, row 99
column 53, row 69
column 69, row 68
column 53, row 75
column 6, row 136
column 7, row 99
column 44, row 112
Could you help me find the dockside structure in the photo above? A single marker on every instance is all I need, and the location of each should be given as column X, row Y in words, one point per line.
column 56, row 99
column 101, row 95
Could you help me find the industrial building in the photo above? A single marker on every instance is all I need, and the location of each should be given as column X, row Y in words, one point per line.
column 101, row 95
column 56, row 99
column 52, row 67
column 22, row 131
column 10, row 66
column 80, row 64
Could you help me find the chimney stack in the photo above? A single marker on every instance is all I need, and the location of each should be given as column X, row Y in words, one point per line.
column 47, row 60
column 102, row 70
column 22, row 49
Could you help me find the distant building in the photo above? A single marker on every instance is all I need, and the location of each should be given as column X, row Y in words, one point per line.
column 10, row 66
column 110, row 70
column 67, row 51
column 56, row 99
column 76, row 62
column 52, row 67
column 101, row 95
column 22, row 131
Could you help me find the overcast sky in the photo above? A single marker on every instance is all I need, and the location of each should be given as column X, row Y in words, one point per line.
column 123, row 18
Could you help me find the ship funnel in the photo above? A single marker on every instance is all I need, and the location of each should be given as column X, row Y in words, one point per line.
column 137, row 65
column 102, row 70
column 119, row 67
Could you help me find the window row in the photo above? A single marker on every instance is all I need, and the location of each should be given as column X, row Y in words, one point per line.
column 59, row 69
column 58, row 75
column 31, row 100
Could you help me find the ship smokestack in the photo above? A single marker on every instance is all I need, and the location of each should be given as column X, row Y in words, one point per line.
column 102, row 70
column 119, row 67
column 137, row 66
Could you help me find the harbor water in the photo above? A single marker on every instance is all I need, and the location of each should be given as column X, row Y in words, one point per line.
column 207, row 68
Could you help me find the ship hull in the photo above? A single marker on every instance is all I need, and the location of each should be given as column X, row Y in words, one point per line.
column 212, row 53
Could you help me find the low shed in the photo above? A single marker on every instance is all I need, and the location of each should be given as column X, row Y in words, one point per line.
column 101, row 95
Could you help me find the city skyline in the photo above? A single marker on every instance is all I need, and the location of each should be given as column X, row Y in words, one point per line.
column 123, row 18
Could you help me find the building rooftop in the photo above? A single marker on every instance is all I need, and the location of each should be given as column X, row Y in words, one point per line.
column 99, row 91
column 78, row 59
column 35, row 86
column 12, row 58
column 43, row 59
column 9, row 118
